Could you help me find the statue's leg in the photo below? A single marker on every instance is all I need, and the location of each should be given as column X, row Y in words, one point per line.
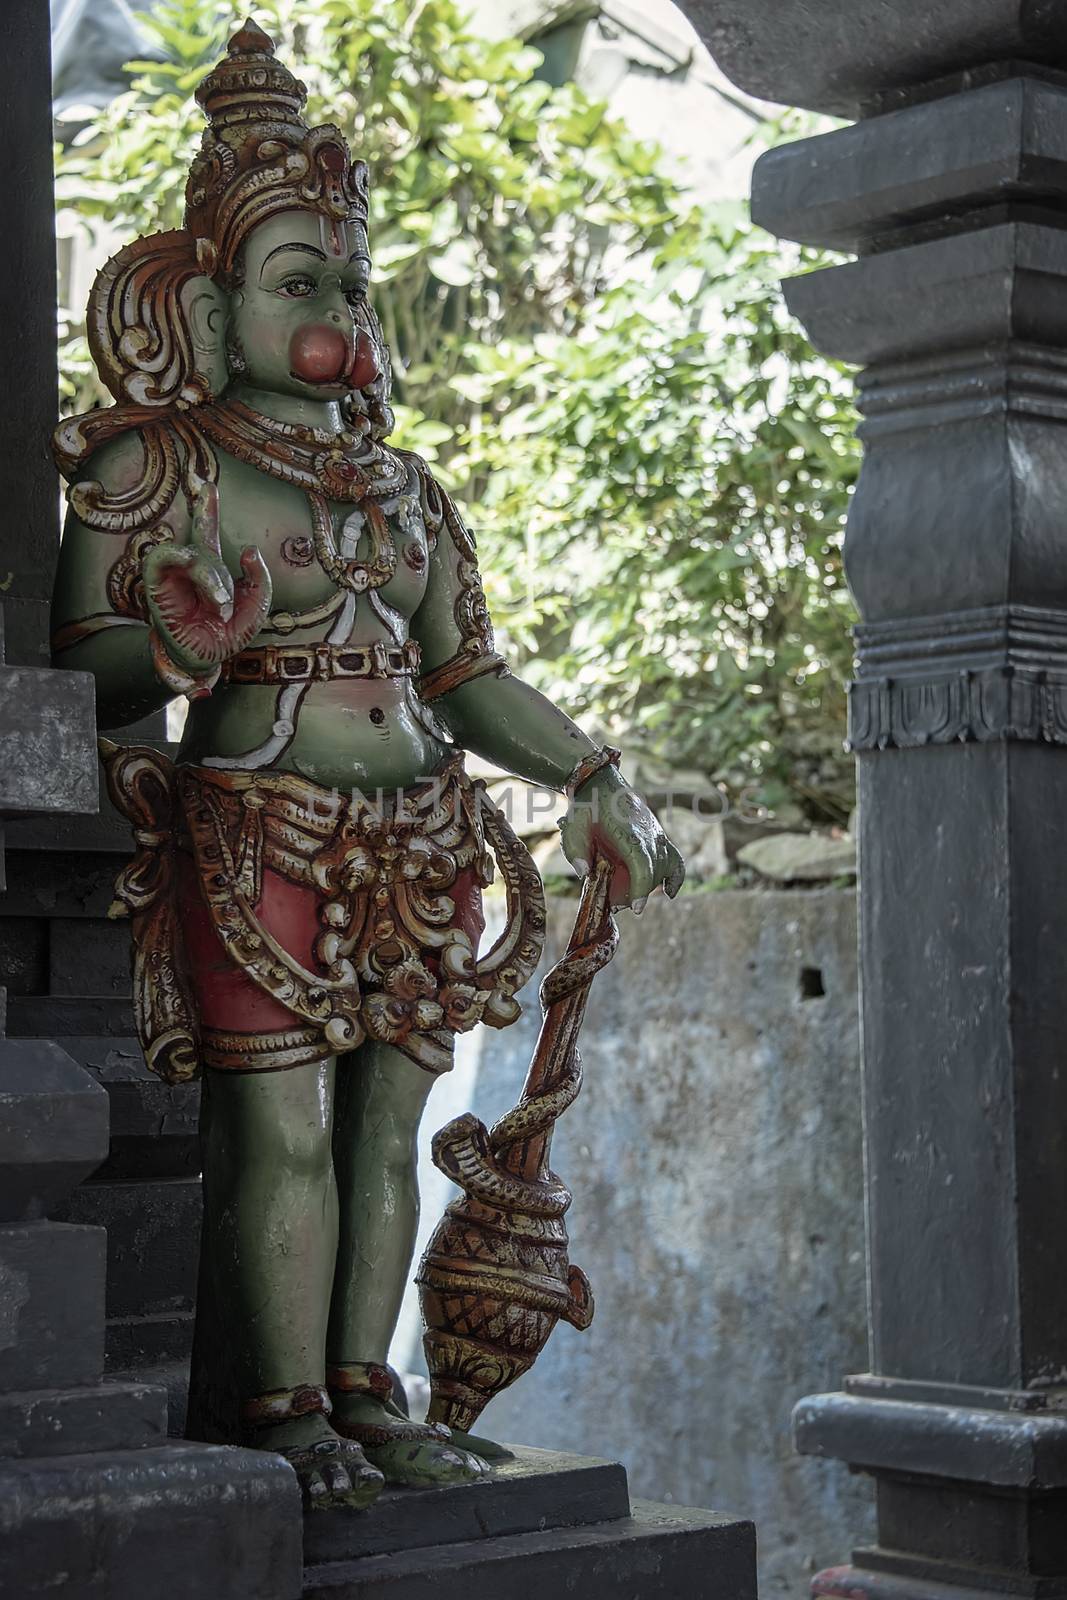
column 270, row 1242
column 380, row 1099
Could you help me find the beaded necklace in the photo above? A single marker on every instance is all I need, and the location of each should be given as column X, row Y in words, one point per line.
column 350, row 466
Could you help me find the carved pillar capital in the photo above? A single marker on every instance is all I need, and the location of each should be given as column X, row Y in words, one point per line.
column 853, row 60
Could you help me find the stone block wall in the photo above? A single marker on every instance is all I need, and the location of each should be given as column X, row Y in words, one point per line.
column 68, row 971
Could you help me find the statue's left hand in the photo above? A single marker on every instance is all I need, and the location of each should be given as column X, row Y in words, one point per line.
column 608, row 818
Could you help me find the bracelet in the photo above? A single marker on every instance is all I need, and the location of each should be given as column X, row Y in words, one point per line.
column 176, row 679
column 595, row 761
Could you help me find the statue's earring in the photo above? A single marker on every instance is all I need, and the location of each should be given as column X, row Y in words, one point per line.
column 235, row 358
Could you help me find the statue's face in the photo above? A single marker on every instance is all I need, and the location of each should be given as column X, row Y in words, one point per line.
column 295, row 318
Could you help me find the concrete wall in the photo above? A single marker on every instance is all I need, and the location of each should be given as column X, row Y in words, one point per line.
column 715, row 1160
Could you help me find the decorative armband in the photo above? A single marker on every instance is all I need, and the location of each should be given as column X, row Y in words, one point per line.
column 461, row 668
column 595, row 761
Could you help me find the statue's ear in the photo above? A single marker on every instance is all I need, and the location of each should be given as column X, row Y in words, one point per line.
column 206, row 311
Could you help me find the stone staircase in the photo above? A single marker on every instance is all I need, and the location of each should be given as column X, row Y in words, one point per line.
column 543, row 1527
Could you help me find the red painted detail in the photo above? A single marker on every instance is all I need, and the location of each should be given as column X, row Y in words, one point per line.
column 467, row 896
column 298, row 550
column 224, row 996
column 320, row 352
column 228, row 1000
column 620, row 874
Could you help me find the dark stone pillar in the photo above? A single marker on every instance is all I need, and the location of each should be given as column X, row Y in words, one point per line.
column 951, row 190
column 29, row 486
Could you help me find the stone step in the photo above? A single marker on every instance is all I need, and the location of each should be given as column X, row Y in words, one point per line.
column 153, row 1241
column 64, row 1422
column 170, row 1376
column 69, row 884
column 53, row 1127
column 656, row 1553
column 137, row 1343
column 538, row 1489
column 154, row 1125
column 181, row 1522
column 51, row 1305
column 102, row 831
column 46, row 723
column 52, row 1016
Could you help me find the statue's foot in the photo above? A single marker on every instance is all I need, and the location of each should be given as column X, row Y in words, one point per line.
column 418, row 1455
column 332, row 1471
column 486, row 1449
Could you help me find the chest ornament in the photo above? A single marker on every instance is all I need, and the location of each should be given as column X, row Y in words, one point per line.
column 298, row 550
column 350, row 466
column 348, row 573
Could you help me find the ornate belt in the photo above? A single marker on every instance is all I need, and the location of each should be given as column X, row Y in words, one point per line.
column 293, row 663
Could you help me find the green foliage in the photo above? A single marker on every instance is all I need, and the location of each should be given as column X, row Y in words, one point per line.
column 493, row 196
column 655, row 462
column 662, row 499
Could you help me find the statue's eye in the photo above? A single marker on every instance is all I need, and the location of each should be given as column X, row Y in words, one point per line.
column 297, row 287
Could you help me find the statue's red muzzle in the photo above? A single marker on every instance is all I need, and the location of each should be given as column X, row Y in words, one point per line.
column 323, row 353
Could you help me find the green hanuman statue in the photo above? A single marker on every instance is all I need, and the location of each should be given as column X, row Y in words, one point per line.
column 305, row 894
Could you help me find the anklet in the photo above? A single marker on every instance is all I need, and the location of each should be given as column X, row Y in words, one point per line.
column 284, row 1405
column 371, row 1378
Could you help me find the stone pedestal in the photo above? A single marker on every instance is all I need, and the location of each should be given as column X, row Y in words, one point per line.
column 952, row 192
column 545, row 1525
column 178, row 1523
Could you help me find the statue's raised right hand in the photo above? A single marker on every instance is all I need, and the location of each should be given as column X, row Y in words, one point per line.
column 199, row 616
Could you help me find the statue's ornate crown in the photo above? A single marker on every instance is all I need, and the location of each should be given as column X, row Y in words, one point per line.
column 259, row 156
column 249, row 86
